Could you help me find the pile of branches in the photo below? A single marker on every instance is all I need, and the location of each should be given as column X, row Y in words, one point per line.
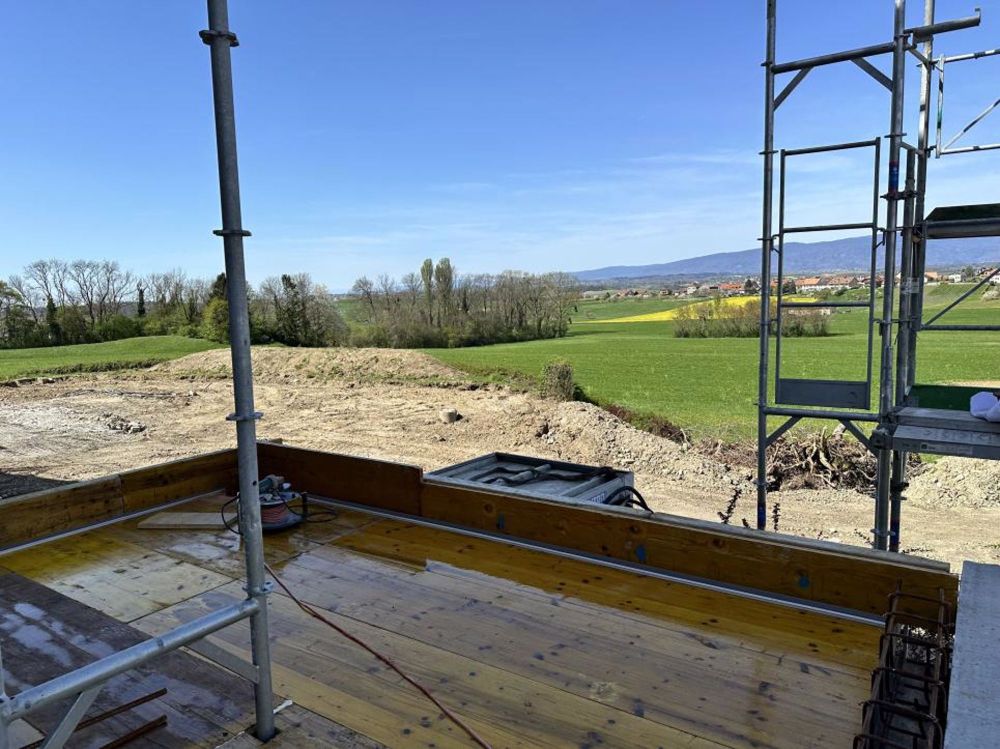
column 820, row 460
column 823, row 460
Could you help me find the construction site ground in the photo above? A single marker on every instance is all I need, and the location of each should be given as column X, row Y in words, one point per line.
column 387, row 404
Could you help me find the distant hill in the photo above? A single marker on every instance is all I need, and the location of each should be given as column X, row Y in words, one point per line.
column 849, row 254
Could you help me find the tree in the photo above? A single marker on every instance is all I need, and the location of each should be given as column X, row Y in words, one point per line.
column 218, row 288
column 215, row 320
column 444, row 285
column 52, row 322
column 439, row 308
column 140, row 306
column 427, row 279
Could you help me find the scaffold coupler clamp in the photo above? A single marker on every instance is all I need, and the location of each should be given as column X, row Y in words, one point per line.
column 210, row 35
column 255, row 416
column 266, row 589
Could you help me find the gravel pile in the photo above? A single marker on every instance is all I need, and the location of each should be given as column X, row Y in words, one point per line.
column 588, row 434
column 957, row 482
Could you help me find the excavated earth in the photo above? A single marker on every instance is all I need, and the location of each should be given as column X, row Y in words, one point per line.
column 386, row 404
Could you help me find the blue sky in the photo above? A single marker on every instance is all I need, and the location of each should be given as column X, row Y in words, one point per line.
column 529, row 134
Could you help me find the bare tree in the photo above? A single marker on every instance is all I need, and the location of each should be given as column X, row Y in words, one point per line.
column 30, row 298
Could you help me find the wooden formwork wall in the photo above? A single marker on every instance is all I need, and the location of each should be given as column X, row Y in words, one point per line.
column 29, row 517
column 825, row 573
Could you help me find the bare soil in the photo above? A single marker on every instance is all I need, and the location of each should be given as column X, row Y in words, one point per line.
column 386, row 404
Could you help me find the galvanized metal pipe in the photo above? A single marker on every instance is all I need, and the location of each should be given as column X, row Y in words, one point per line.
column 765, row 267
column 220, row 40
column 928, row 30
column 897, row 477
column 96, row 673
column 919, row 207
column 886, row 379
column 829, row 59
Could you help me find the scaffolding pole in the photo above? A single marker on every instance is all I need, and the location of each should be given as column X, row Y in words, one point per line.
column 220, row 40
column 767, row 246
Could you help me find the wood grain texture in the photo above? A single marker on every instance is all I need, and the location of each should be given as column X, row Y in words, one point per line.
column 32, row 516
column 189, row 521
column 120, row 579
column 461, row 560
column 46, row 634
column 317, row 668
column 154, row 485
column 299, row 728
column 854, row 579
column 376, row 483
column 222, row 551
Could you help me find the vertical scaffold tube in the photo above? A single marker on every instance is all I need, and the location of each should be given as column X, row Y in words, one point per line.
column 765, row 268
column 893, row 194
column 897, row 480
column 220, row 39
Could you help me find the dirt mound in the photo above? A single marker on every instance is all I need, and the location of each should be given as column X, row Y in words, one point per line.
column 295, row 365
column 588, row 434
column 958, row 482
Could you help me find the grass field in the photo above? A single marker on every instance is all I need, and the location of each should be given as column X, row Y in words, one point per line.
column 708, row 386
column 93, row 357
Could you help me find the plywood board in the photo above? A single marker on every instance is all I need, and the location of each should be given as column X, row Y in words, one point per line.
column 187, row 521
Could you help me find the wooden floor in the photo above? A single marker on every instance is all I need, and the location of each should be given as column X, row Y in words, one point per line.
column 532, row 650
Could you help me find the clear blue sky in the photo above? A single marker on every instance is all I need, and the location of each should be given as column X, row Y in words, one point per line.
column 530, row 134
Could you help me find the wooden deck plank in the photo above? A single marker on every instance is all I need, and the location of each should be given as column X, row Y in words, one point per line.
column 532, row 649
column 811, row 635
column 221, row 551
column 341, row 579
column 46, row 634
column 684, row 674
column 298, row 728
column 121, row 579
column 507, row 709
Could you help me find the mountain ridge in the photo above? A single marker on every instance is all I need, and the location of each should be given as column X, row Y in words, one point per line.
column 850, row 254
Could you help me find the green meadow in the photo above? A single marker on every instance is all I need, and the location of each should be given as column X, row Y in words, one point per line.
column 97, row 357
column 709, row 386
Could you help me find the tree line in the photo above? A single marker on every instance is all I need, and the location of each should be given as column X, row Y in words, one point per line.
column 55, row 302
column 437, row 307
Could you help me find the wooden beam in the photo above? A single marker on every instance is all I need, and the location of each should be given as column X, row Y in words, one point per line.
column 188, row 477
column 376, row 483
column 39, row 514
column 820, row 572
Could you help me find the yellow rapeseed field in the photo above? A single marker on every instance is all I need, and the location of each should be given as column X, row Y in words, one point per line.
column 732, row 302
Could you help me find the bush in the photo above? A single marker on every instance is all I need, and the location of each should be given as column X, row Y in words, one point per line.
column 557, row 380
column 118, row 327
column 215, row 321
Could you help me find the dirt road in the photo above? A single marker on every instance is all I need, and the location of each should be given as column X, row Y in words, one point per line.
column 386, row 404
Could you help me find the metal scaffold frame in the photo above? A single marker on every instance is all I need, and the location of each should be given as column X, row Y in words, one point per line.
column 900, row 426
column 84, row 684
